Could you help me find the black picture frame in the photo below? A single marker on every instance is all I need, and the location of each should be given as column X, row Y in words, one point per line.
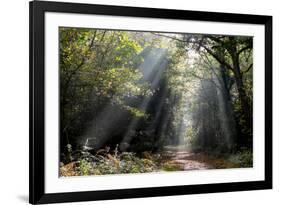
column 37, row 10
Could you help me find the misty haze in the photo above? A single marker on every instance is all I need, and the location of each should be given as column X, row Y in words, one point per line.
column 136, row 102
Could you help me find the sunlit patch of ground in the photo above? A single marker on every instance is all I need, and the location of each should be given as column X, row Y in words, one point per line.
column 215, row 162
column 186, row 160
column 183, row 158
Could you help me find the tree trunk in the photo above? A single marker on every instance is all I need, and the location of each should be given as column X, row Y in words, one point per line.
column 245, row 104
column 227, row 111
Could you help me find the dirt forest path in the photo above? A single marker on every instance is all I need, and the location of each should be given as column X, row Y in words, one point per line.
column 188, row 160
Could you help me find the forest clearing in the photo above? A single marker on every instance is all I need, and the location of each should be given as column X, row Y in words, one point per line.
column 140, row 102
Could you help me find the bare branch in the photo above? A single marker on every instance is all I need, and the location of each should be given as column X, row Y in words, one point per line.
column 221, row 61
column 244, row 49
column 247, row 70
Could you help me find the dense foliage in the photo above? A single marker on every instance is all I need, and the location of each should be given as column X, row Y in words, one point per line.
column 123, row 94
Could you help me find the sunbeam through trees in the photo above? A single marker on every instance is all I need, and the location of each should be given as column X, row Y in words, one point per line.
column 135, row 102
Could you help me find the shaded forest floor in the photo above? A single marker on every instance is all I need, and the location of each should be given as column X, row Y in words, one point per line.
column 167, row 160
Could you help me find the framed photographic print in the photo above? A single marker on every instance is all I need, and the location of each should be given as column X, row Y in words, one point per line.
column 140, row 102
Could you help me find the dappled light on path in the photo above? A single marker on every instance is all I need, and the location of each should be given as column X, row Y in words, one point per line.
column 187, row 161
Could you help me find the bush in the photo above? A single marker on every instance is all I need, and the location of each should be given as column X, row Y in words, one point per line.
column 126, row 162
column 84, row 167
column 243, row 158
column 172, row 167
column 130, row 163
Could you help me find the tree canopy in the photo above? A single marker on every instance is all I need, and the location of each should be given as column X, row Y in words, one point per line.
column 144, row 91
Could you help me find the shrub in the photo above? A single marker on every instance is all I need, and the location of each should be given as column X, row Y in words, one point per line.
column 172, row 167
column 243, row 158
column 84, row 167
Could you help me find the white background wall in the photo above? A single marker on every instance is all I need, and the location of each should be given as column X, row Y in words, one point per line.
column 14, row 100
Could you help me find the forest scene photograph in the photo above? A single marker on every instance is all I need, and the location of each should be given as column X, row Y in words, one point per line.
column 144, row 102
